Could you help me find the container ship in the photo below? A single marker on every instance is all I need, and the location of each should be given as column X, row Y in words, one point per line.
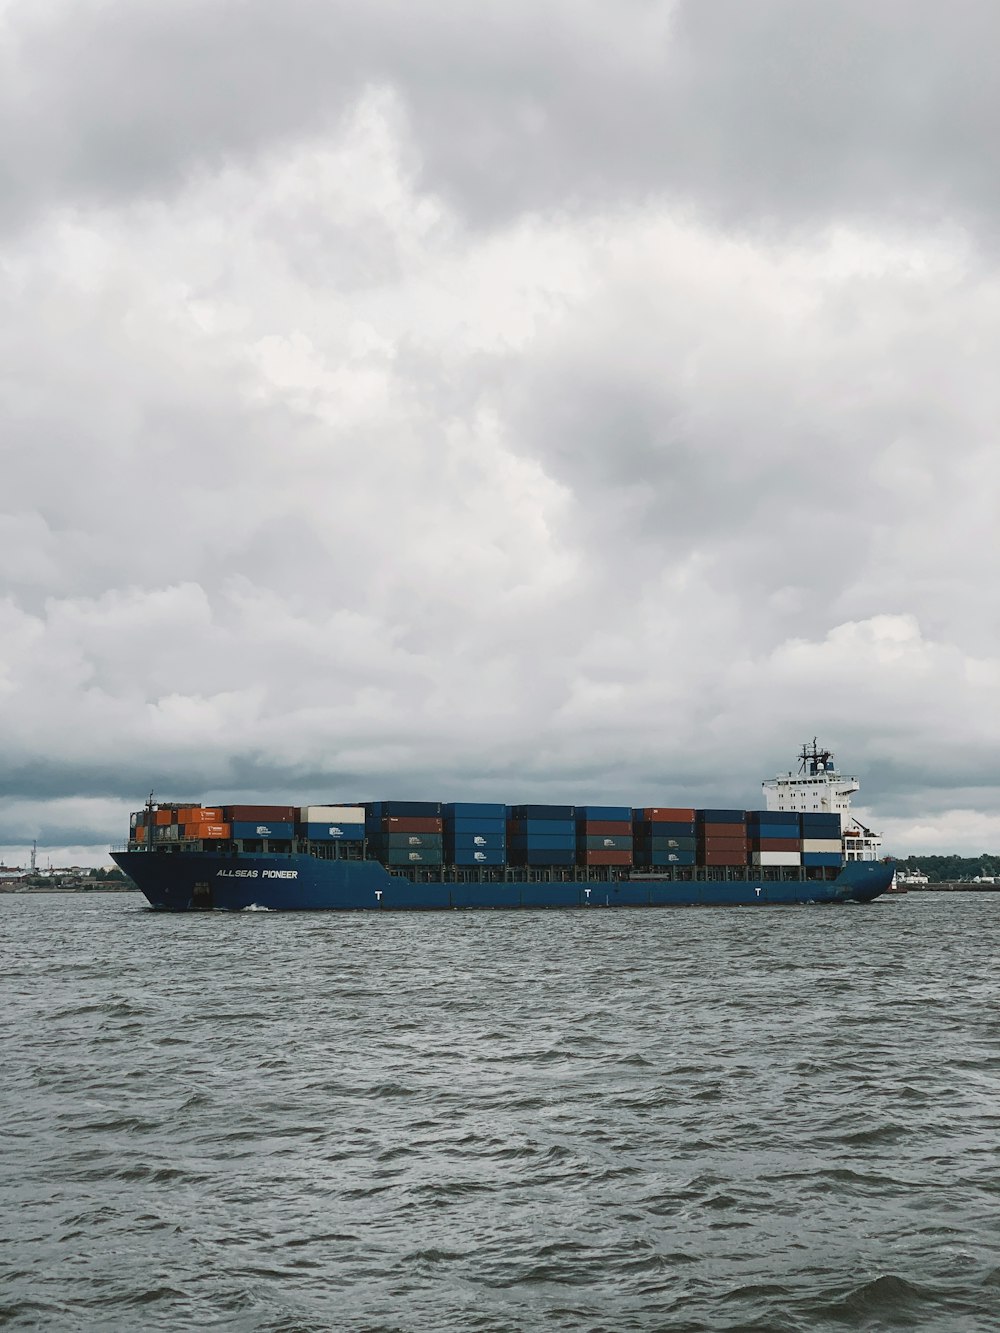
column 425, row 855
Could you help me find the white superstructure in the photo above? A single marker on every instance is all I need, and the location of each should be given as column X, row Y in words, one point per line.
column 819, row 787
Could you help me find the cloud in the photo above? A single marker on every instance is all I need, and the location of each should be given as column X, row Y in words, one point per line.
column 545, row 406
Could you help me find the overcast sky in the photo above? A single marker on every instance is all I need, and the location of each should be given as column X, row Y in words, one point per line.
column 560, row 400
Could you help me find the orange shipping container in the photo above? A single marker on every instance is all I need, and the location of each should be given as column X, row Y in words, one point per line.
column 667, row 814
column 205, row 830
column 161, row 817
column 140, row 834
column 722, row 830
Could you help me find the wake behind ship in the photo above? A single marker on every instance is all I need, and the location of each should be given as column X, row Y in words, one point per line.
column 425, row 855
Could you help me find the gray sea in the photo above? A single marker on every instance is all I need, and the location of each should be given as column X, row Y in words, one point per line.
column 695, row 1119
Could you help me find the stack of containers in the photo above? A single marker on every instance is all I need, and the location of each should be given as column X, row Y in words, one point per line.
column 541, row 835
column 204, row 823
column 822, row 840
column 404, row 833
column 603, row 835
column 721, row 837
column 475, row 833
column 664, row 836
column 332, row 823
column 774, row 838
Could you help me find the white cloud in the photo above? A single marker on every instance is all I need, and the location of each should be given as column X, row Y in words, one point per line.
column 319, row 472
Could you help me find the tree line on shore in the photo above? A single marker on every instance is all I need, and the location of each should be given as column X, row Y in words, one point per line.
column 943, row 869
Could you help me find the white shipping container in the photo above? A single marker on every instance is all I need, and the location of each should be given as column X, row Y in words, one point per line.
column 821, row 845
column 775, row 859
column 332, row 814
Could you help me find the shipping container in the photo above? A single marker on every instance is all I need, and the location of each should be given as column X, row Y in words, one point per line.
column 604, row 812
column 382, row 840
column 458, row 826
column 776, row 858
column 409, row 856
column 822, row 845
column 665, row 828
column 545, row 812
column 785, row 831
column 669, row 813
column 478, row 810
column 722, row 858
column 279, row 814
column 406, row 824
column 609, row 842
column 559, row 842
column 195, row 814
column 723, row 844
column 592, row 827
column 775, row 845
column 542, row 828
column 332, row 814
column 718, row 829
column 657, row 859
column 404, row 809
column 335, row 832
column 257, row 828
column 164, row 817
column 594, row 857
column 541, row 856
column 474, row 856
column 206, row 830
column 475, row 841
column 669, row 844
column 822, row 859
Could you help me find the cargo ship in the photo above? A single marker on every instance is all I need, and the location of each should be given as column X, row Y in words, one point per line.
column 384, row 856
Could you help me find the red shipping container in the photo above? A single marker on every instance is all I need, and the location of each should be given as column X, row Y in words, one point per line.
column 722, row 830
column 140, row 833
column 411, row 824
column 604, row 827
column 269, row 814
column 667, row 814
column 775, row 845
column 618, row 858
column 723, row 859
column 723, row 844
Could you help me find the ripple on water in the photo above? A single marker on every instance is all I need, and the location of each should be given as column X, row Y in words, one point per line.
column 695, row 1120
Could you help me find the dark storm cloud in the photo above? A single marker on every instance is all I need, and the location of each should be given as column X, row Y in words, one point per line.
column 778, row 112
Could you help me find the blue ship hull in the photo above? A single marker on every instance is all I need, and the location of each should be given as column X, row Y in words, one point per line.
column 300, row 883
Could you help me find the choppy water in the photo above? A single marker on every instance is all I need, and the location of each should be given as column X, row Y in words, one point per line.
column 780, row 1119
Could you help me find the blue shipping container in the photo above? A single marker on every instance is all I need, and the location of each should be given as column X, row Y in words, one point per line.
column 554, row 841
column 476, row 841
column 335, row 832
column 606, row 842
column 604, row 812
column 473, row 810
column 659, row 859
column 541, row 828
column 822, row 859
column 541, row 856
column 463, row 826
column 465, row 856
column 260, row 828
column 403, row 809
column 542, row 811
